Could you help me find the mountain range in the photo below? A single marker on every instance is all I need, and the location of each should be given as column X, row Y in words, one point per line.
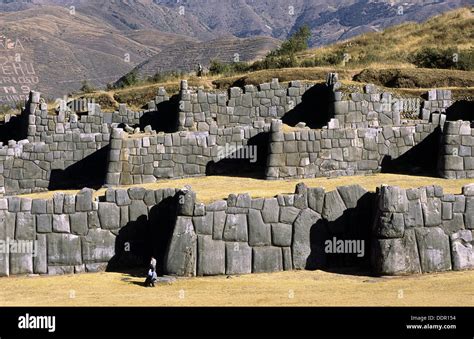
column 70, row 41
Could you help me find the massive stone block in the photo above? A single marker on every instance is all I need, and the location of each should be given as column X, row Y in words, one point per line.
column 288, row 214
column 462, row 250
column 433, row 245
column 316, row 199
column 351, row 194
column 78, row 223
column 109, row 215
column 334, row 206
column 397, row 256
column 25, row 226
column 469, row 213
column 259, row 232
column 211, row 256
column 40, row 259
column 98, row 246
column 180, row 258
column 64, row 249
column 84, row 200
column 431, row 211
column 238, row 258
column 267, row 259
column 389, row 225
column 204, row 224
column 393, row 199
column 61, row 223
column 271, row 210
column 302, row 247
column 235, row 228
column 282, row 234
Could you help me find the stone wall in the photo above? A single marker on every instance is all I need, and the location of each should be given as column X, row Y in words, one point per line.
column 78, row 233
column 438, row 100
column 146, row 157
column 423, row 230
column 457, row 150
column 243, row 235
column 306, row 153
column 198, row 110
column 362, row 110
column 395, row 230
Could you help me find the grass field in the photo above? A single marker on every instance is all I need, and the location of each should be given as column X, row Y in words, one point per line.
column 296, row 288
column 213, row 188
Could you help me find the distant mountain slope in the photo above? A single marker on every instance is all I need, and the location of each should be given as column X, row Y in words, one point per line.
column 185, row 56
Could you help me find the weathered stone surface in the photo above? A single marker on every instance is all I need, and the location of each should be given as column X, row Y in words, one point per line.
column 433, row 245
column 414, row 216
column 204, row 224
column 64, row 249
column 211, row 256
column 288, row 214
column 25, row 226
column 469, row 213
column 95, row 267
column 453, row 225
column 351, row 194
column 334, row 206
column 462, row 250
column 109, row 215
column 136, row 193
column 393, row 199
column 270, row 210
column 122, row 198
column 282, row 234
column 238, row 258
column 186, row 201
column 61, row 223
column 390, row 225
column 396, row 256
column 301, row 246
column 40, row 259
column 219, row 224
column 259, row 232
column 78, row 223
column 44, row 223
column 180, row 258
column 21, row 263
column 84, row 200
column 316, row 199
column 287, row 259
column 98, row 246
column 137, row 209
column 431, row 211
column 235, row 228
column 60, row 270
column 267, row 259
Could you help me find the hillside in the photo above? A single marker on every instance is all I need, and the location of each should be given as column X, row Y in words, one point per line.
column 396, row 44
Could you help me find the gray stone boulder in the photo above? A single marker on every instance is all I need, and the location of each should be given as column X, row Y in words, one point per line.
column 414, row 216
column 398, row 256
column 433, row 245
column 271, row 210
column 351, row 194
column 316, row 199
column 180, row 257
column 393, row 199
column 137, row 209
column 301, row 247
column 267, row 259
column 389, row 225
column 211, row 256
column 25, row 226
column 235, row 228
column 219, row 224
column 84, row 200
column 469, row 213
column 288, row 214
column 40, row 258
column 431, row 211
column 259, row 232
column 61, row 223
column 78, row 223
column 204, row 224
column 334, row 206
column 64, row 249
column 98, row 246
column 109, row 215
column 238, row 258
column 186, row 201
column 21, row 263
column 282, row 234
column 462, row 250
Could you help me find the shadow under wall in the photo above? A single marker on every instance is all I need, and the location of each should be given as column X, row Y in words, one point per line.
column 88, row 172
column 15, row 129
column 354, row 224
column 420, row 159
column 234, row 165
column 313, row 109
column 165, row 118
column 461, row 110
column 148, row 236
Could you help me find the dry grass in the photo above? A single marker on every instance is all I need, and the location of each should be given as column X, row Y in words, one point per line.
column 308, row 288
column 213, row 188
